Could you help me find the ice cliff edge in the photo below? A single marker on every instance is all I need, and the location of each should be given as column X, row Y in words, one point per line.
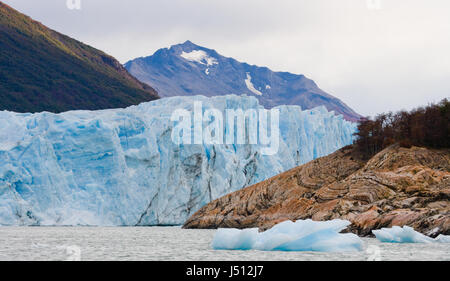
column 121, row 167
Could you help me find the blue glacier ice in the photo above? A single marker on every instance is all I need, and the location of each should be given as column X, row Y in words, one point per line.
column 120, row 166
column 406, row 234
column 302, row 235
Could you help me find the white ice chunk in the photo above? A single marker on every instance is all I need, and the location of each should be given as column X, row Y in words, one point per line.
column 443, row 238
column 199, row 56
column 406, row 234
column 249, row 84
column 302, row 235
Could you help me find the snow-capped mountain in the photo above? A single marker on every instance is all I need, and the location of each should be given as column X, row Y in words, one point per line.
column 188, row 69
column 121, row 167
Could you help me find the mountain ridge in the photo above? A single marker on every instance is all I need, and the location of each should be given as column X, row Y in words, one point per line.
column 183, row 69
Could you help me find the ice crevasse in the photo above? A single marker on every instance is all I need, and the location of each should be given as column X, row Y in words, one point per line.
column 121, row 167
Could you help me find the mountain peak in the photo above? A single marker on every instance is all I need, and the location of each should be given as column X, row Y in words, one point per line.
column 190, row 69
column 187, row 43
column 187, row 46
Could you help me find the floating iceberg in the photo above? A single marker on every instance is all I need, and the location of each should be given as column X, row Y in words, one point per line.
column 406, row 234
column 121, row 167
column 302, row 235
column 442, row 238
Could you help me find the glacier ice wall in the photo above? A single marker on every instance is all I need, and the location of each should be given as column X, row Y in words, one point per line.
column 120, row 166
column 302, row 235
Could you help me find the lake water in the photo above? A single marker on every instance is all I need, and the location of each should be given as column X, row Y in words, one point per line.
column 174, row 243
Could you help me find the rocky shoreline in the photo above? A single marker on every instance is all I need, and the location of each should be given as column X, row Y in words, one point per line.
column 398, row 186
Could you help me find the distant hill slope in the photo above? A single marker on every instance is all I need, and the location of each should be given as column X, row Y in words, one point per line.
column 188, row 69
column 43, row 70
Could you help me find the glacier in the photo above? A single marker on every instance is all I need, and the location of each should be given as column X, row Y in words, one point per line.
column 406, row 234
column 302, row 235
column 120, row 167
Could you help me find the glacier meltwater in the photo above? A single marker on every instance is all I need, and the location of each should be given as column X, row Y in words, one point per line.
column 121, row 167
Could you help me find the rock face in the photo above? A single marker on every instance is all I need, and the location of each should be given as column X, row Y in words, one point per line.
column 398, row 186
column 188, row 69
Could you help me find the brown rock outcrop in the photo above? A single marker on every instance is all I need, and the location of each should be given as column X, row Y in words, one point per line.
column 398, row 186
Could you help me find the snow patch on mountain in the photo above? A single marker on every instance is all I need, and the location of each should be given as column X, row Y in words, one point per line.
column 199, row 56
column 249, row 84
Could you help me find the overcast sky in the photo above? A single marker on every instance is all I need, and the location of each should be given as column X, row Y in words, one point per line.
column 375, row 58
